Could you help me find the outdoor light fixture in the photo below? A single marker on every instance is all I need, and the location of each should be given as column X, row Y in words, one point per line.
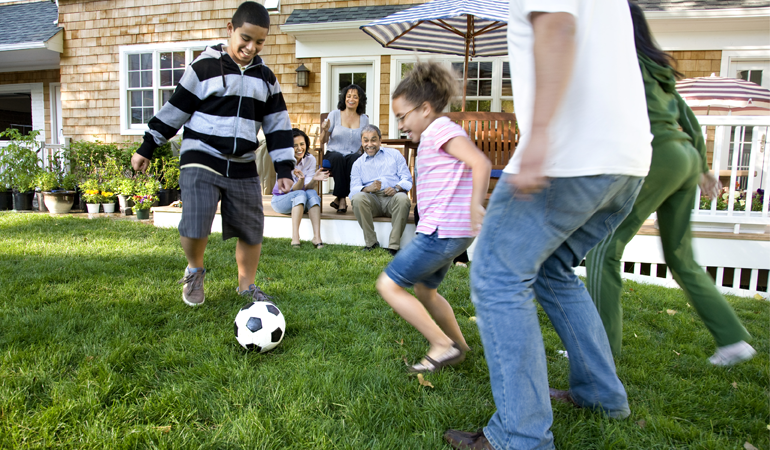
column 303, row 76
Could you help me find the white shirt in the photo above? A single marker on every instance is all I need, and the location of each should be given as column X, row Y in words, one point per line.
column 601, row 125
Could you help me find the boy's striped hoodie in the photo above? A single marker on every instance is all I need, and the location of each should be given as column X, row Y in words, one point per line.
column 222, row 109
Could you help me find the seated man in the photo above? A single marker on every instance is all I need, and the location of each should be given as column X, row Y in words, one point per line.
column 379, row 181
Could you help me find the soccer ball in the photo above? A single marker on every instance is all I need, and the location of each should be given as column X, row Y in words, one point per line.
column 259, row 326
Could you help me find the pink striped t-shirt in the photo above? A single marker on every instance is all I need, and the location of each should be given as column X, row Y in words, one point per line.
column 444, row 184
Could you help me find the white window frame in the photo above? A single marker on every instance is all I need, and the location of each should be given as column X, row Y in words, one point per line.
column 497, row 79
column 37, row 103
column 729, row 57
column 272, row 6
column 126, row 128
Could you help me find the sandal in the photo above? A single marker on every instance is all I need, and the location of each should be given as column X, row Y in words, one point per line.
column 319, row 245
column 296, row 245
column 454, row 355
column 334, row 205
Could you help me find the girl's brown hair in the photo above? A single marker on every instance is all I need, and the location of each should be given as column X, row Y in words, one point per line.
column 430, row 82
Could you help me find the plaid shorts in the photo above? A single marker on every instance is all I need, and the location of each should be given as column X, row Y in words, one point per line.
column 242, row 214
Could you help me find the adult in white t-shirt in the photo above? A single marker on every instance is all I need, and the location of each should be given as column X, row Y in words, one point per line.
column 585, row 149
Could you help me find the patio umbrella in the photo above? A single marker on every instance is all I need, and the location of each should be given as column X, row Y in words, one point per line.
column 724, row 96
column 455, row 27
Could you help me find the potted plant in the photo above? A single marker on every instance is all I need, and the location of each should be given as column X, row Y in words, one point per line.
column 91, row 195
column 146, row 195
column 125, row 187
column 166, row 170
column 108, row 201
column 20, row 165
column 6, row 200
column 57, row 187
column 142, row 205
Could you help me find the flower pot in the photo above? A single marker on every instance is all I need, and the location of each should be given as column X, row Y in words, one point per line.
column 108, row 208
column 22, row 201
column 41, row 206
column 59, row 202
column 167, row 196
column 6, row 201
column 93, row 208
column 125, row 201
column 142, row 214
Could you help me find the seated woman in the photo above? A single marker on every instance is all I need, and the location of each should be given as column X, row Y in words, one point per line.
column 342, row 131
column 302, row 197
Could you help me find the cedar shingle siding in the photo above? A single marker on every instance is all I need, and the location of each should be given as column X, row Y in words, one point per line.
column 95, row 29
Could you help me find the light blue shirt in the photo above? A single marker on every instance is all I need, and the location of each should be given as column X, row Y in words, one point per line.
column 341, row 139
column 387, row 165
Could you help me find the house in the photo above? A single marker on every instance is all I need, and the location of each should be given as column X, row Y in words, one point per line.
column 99, row 69
column 114, row 62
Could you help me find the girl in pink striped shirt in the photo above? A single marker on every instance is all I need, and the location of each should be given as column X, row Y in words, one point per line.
column 453, row 177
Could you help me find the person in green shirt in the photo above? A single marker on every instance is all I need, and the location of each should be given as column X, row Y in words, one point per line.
column 678, row 166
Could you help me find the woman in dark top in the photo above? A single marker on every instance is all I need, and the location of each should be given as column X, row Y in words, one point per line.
column 341, row 131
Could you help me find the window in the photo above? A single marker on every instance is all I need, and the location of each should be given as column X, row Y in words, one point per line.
column 488, row 89
column 273, row 6
column 149, row 75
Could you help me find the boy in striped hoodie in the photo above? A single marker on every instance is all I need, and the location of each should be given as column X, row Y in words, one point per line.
column 222, row 100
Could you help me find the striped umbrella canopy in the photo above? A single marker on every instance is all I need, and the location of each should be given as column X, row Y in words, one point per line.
column 455, row 27
column 724, row 96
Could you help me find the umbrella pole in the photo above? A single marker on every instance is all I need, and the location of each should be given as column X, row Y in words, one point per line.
column 467, row 51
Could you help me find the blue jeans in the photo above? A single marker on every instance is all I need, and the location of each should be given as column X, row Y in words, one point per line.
column 283, row 204
column 527, row 250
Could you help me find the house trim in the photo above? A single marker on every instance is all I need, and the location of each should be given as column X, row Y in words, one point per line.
column 125, row 128
column 37, row 102
column 730, row 56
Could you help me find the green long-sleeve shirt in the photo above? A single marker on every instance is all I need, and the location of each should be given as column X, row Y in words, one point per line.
column 670, row 117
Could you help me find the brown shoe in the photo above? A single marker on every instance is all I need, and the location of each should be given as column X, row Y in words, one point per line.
column 192, row 292
column 562, row 396
column 466, row 440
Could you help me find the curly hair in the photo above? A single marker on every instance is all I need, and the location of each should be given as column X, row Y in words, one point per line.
column 430, row 82
column 361, row 109
column 297, row 132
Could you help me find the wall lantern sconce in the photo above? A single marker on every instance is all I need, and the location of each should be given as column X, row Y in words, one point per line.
column 303, row 76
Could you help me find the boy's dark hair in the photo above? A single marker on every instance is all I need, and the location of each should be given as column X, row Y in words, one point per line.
column 253, row 13
column 297, row 132
column 361, row 109
column 430, row 82
column 646, row 45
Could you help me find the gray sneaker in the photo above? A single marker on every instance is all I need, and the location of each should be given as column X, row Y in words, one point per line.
column 255, row 294
column 732, row 354
column 192, row 292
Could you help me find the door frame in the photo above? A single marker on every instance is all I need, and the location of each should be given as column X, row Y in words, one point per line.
column 373, row 98
column 57, row 124
column 37, row 103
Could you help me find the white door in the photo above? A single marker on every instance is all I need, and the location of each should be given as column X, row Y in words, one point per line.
column 345, row 75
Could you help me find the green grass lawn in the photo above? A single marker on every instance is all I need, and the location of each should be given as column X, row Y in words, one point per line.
column 98, row 351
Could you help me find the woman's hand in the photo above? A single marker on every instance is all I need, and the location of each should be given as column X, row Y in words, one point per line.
column 325, row 125
column 321, row 175
column 298, row 173
column 710, row 185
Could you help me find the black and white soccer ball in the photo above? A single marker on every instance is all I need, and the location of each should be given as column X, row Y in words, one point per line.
column 259, row 326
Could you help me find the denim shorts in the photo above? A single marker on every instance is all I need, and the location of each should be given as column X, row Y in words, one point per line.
column 425, row 260
column 284, row 203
